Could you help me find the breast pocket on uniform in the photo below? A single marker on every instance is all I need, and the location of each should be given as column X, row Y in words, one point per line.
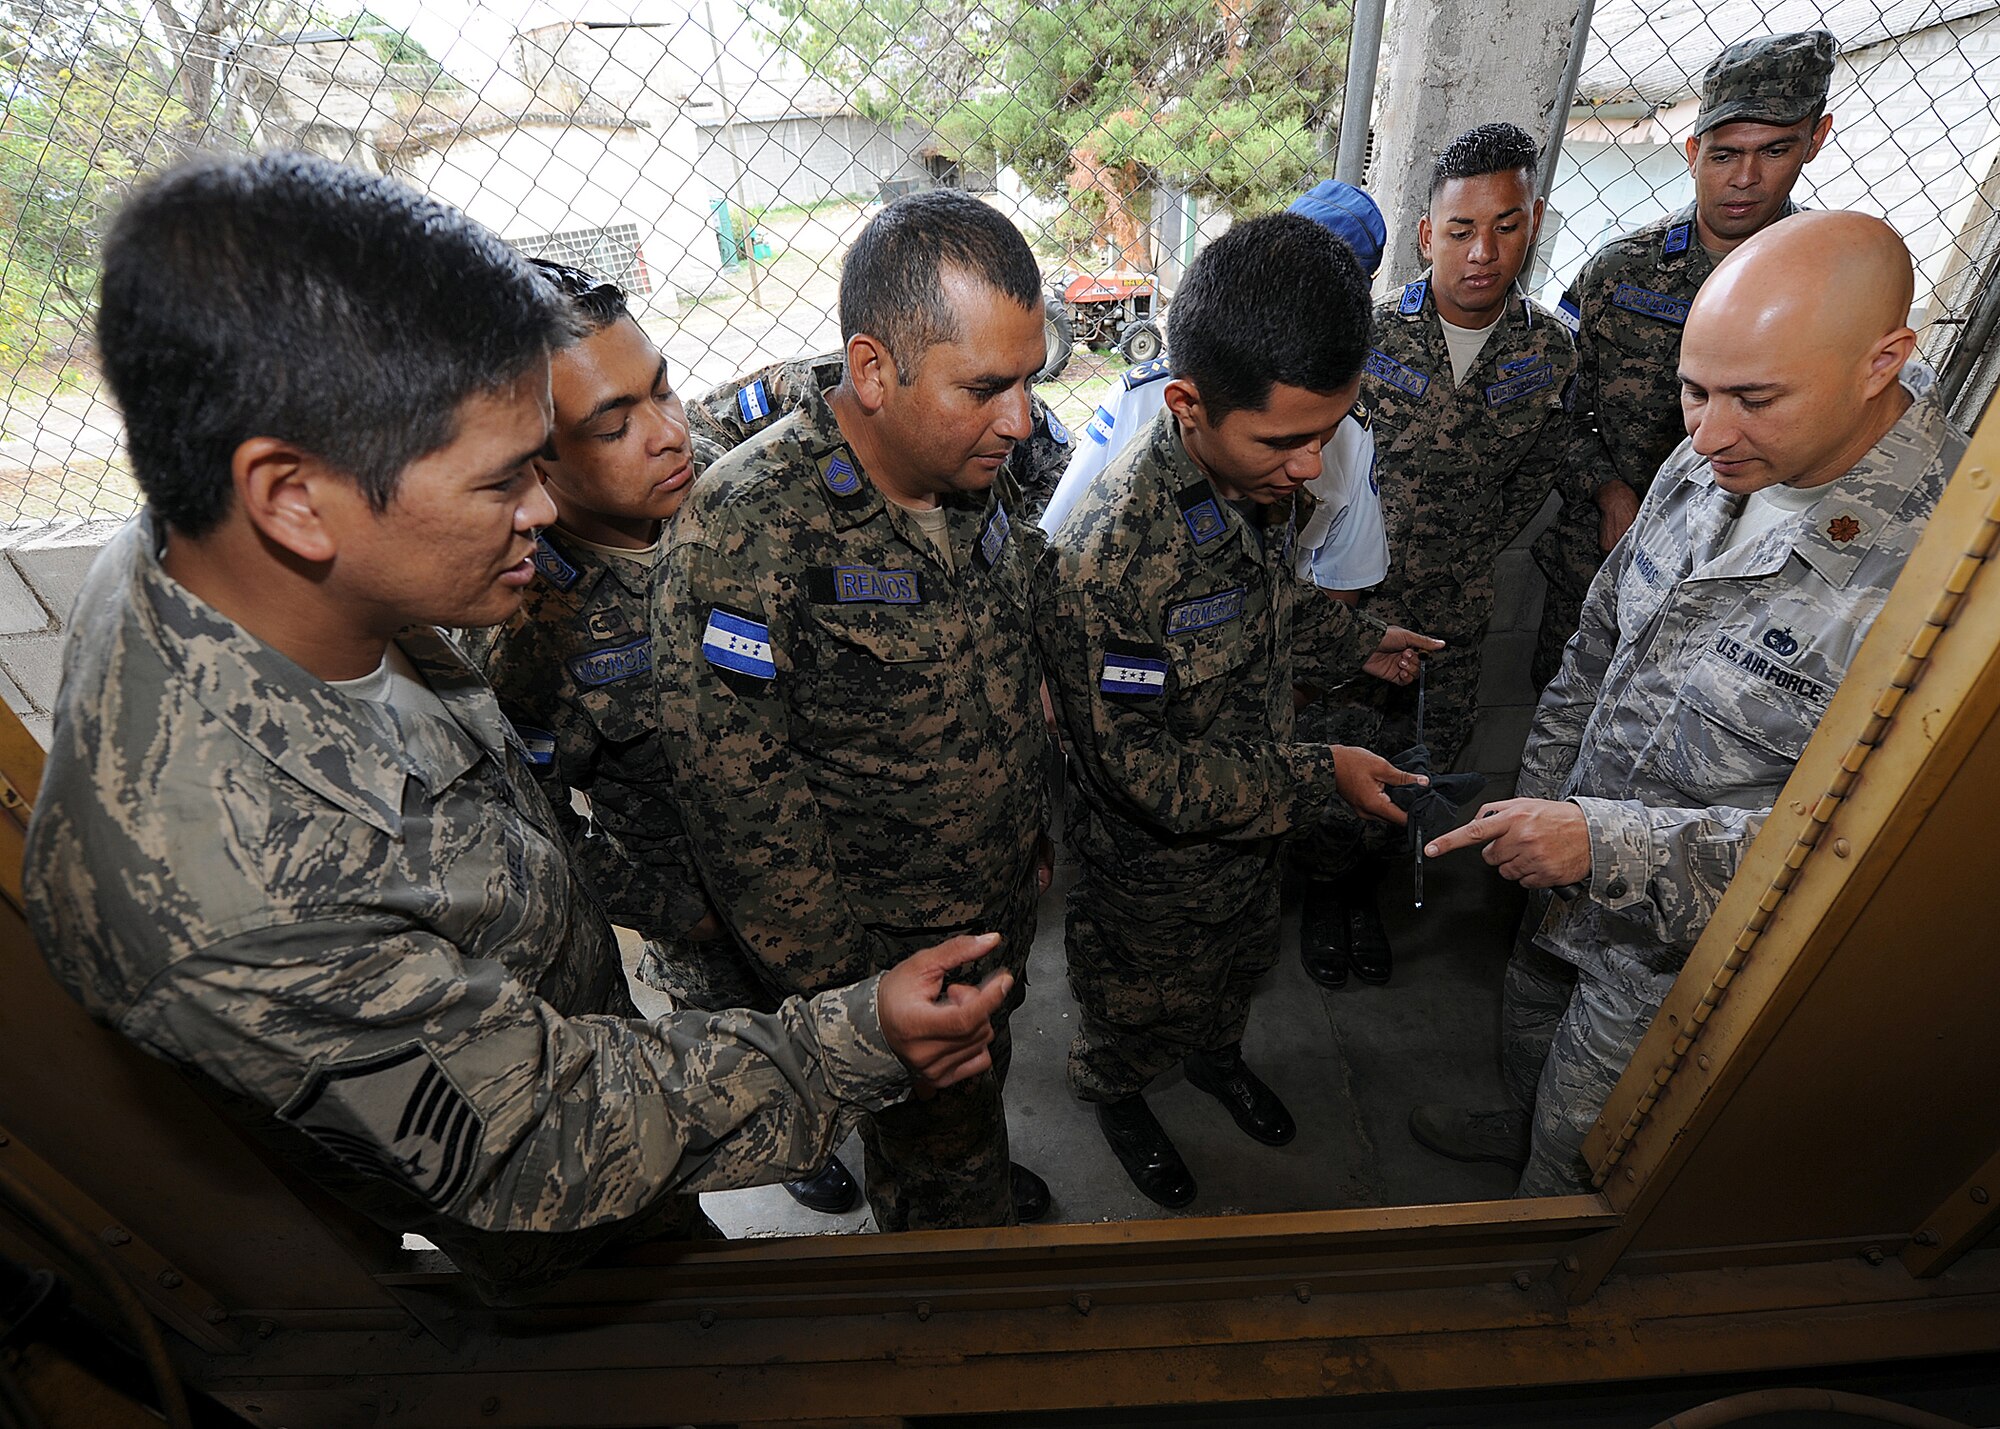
column 1737, row 731
column 874, row 690
column 1209, row 641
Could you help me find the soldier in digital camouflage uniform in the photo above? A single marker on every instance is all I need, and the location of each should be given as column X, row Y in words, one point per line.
column 1171, row 615
column 736, row 411
column 1762, row 119
column 338, row 901
column 846, row 656
column 573, row 667
column 1467, row 383
column 1711, row 644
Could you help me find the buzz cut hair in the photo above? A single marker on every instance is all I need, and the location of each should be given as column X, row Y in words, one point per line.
column 891, row 284
column 1488, row 149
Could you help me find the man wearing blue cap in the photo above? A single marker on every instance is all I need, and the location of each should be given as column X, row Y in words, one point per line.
column 1340, row 546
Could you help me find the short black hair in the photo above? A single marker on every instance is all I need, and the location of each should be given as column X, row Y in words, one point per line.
column 1488, row 149
column 889, row 284
column 1275, row 299
column 289, row 296
column 598, row 302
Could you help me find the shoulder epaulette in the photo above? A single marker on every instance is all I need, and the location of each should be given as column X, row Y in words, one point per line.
column 1413, row 298
column 1146, row 372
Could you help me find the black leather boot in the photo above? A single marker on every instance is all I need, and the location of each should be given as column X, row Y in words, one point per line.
column 1141, row 1146
column 1255, row 1106
column 1323, row 937
column 1340, row 931
column 830, row 1190
column 1030, row 1192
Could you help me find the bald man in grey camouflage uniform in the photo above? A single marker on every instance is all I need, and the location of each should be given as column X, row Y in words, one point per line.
column 1762, row 120
column 1711, row 644
column 285, row 840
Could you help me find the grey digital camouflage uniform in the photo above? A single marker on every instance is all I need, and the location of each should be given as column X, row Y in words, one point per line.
column 363, row 931
column 573, row 671
column 1463, row 468
column 1695, row 681
column 864, row 743
column 1169, row 630
column 1627, row 307
column 736, row 411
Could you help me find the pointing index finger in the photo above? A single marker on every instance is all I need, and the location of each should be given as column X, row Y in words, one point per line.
column 1486, row 826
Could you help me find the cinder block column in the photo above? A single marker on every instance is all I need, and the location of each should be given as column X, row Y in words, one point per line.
column 1453, row 64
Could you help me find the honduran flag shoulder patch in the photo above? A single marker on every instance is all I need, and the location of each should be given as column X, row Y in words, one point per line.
column 734, row 642
column 1133, row 671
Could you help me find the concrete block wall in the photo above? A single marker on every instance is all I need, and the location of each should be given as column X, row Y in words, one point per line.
column 42, row 566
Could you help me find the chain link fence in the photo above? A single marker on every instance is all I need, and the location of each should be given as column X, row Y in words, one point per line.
column 717, row 158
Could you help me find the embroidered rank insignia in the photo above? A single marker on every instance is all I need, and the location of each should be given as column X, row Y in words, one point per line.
column 1677, row 239
column 1362, row 416
column 1217, row 609
column 1534, row 380
column 993, row 539
column 539, row 745
column 1781, row 643
column 609, row 666
column 863, row 585
column 1649, row 304
column 1413, row 298
column 1146, row 372
column 1843, row 528
column 1571, row 317
column 1058, row 433
column 550, row 566
column 1384, row 368
column 754, row 402
column 738, row 644
column 840, row 475
column 1204, row 520
column 397, row 1115
column 606, row 624
column 1133, row 671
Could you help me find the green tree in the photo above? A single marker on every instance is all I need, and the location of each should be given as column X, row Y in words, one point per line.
column 1238, row 102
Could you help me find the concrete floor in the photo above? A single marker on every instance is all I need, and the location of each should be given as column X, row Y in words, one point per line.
column 1350, row 1064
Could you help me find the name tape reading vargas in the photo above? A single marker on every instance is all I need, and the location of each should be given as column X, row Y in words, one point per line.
column 1647, row 303
column 1498, row 394
column 1209, row 610
column 607, row 667
column 1133, row 675
column 1385, row 368
column 1772, row 673
column 737, row 643
column 754, row 402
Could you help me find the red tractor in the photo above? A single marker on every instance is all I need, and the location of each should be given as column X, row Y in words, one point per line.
column 1103, row 311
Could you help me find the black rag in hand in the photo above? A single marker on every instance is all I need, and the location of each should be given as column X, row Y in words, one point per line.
column 1432, row 808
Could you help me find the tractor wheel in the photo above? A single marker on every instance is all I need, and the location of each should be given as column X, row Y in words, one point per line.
column 1059, row 340
column 1140, row 342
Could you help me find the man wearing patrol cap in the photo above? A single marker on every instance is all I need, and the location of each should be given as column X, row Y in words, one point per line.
column 1762, row 118
column 736, row 411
